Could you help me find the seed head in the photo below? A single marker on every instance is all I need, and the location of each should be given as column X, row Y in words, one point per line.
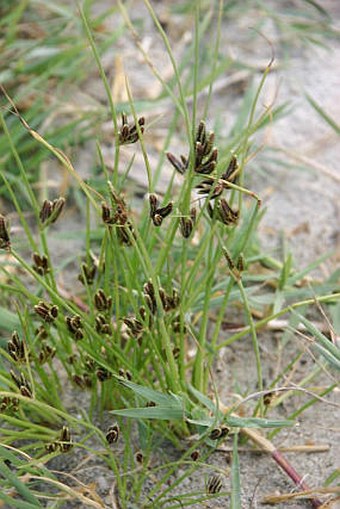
column 129, row 132
column 47, row 312
column 214, row 484
column 16, row 348
column 112, row 434
column 40, row 264
column 51, row 210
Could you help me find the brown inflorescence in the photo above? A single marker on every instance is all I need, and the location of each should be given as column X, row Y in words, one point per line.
column 47, row 312
column 129, row 132
column 51, row 210
column 40, row 264
column 157, row 213
column 16, row 348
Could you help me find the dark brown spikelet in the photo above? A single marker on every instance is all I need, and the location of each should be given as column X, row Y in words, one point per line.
column 180, row 165
column 126, row 234
column 150, row 404
column 125, row 373
column 102, row 302
column 153, row 201
column 139, row 458
column 195, row 455
column 218, row 433
column 268, row 398
column 65, row 441
column 214, row 484
column 87, row 273
column 134, row 326
column 51, row 447
column 46, row 353
column 103, row 374
column 186, row 224
column 207, row 166
column 47, row 312
column 157, row 214
column 102, row 325
column 149, row 295
column 119, row 216
column 129, row 132
column 225, row 213
column 5, row 242
column 51, row 210
column 176, row 352
column 169, row 302
column 112, row 434
column 22, row 383
column 8, row 404
column 75, row 326
column 205, row 153
column 107, row 216
column 16, row 348
column 211, row 187
column 232, row 170
column 40, row 264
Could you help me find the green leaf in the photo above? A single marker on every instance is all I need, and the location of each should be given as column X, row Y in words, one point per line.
column 20, row 487
column 14, row 502
column 210, row 405
column 324, row 346
column 242, row 422
column 163, row 413
column 8, row 320
column 165, row 400
column 235, row 500
column 323, row 114
column 255, row 422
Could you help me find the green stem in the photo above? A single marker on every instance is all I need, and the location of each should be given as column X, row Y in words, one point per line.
column 261, row 323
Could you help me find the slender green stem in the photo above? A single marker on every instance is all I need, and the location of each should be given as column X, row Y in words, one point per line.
column 254, row 339
column 333, row 297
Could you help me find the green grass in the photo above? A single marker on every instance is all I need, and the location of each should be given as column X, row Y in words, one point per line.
column 136, row 331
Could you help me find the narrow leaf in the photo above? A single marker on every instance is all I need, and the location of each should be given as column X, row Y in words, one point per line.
column 235, row 501
column 20, row 487
column 154, row 412
column 256, row 422
column 166, row 400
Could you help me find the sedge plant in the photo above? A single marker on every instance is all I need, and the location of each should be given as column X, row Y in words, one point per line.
column 138, row 326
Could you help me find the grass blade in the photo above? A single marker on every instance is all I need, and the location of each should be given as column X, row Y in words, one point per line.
column 235, row 502
column 323, row 114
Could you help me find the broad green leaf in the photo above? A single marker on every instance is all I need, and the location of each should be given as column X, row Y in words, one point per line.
column 154, row 412
column 210, row 405
column 166, row 400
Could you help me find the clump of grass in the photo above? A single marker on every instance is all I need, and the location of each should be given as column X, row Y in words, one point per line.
column 143, row 329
